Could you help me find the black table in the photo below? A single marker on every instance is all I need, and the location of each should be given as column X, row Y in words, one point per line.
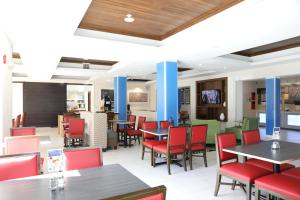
column 288, row 152
column 93, row 183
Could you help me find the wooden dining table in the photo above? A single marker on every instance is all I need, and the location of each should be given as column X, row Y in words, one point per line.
column 287, row 152
column 125, row 123
column 88, row 184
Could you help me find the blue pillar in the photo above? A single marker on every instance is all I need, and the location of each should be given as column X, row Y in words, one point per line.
column 272, row 104
column 167, row 92
column 120, row 97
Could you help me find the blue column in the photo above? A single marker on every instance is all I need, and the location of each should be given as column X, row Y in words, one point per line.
column 120, row 96
column 167, row 92
column 272, row 104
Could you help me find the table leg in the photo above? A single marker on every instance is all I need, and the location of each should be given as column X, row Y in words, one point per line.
column 125, row 136
column 276, row 168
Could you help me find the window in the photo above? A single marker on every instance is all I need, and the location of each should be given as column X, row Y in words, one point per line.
column 262, row 118
column 293, row 120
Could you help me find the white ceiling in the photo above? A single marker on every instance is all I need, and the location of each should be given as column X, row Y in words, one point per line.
column 42, row 32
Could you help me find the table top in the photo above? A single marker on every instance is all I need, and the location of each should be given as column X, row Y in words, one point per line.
column 93, row 183
column 125, row 122
column 158, row 131
column 288, row 151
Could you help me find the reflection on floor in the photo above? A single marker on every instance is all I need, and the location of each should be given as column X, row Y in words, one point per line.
column 191, row 185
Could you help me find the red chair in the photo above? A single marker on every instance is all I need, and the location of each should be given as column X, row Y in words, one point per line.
column 149, row 140
column 75, row 134
column 23, row 119
column 17, row 122
column 23, row 144
column 164, row 124
column 295, row 172
column 281, row 186
column 81, row 158
column 238, row 172
column 19, row 166
column 156, row 193
column 23, row 131
column 132, row 118
column 136, row 134
column 66, row 119
column 253, row 137
column 197, row 143
column 176, row 144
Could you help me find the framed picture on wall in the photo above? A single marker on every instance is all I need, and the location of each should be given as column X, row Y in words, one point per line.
column 138, row 97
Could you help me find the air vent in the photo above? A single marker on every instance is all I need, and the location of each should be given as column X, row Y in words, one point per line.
column 86, row 66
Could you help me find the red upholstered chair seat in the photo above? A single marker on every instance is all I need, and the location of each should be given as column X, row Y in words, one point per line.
column 151, row 143
column 292, row 172
column 163, row 149
column 23, row 131
column 159, row 196
column 74, row 135
column 245, row 172
column 18, row 166
column 267, row 165
column 196, row 147
column 131, row 132
column 82, row 158
column 281, row 184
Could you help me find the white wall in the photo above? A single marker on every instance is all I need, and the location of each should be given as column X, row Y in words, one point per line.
column 17, row 99
column 5, row 87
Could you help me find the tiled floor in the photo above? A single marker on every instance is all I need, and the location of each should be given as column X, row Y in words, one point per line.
column 191, row 185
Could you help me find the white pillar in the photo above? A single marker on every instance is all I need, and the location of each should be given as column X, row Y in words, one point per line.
column 5, row 87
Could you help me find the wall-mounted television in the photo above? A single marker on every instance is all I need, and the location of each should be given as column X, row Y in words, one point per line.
column 211, row 97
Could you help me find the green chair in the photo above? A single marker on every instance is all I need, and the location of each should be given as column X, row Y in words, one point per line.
column 213, row 128
column 248, row 124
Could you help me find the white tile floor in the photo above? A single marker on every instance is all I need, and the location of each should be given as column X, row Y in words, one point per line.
column 191, row 185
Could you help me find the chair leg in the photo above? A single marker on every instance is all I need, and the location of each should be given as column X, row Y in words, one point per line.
column 248, row 189
column 143, row 152
column 153, row 158
column 204, row 158
column 169, row 163
column 233, row 184
column 257, row 194
column 184, row 161
column 191, row 159
column 138, row 137
column 218, row 182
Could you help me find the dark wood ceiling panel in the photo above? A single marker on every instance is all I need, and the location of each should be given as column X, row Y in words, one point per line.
column 154, row 19
column 91, row 61
column 269, row 48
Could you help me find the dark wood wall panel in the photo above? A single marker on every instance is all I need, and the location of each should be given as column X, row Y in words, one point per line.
column 43, row 102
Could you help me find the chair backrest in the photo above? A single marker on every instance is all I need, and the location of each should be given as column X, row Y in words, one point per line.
column 251, row 137
column 225, row 140
column 19, row 166
column 18, row 121
column 66, row 118
column 132, row 118
column 164, row 124
column 76, row 125
column 81, row 158
column 23, row 131
column 156, row 193
column 21, row 144
column 23, row 119
column 141, row 121
column 177, row 137
column 198, row 134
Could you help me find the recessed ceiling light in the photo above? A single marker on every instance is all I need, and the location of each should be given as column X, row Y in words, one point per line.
column 224, row 67
column 200, row 64
column 129, row 18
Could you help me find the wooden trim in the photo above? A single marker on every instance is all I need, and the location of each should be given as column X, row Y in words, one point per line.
column 201, row 18
column 141, row 194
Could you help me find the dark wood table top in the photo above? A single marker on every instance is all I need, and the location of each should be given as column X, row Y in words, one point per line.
column 288, row 151
column 86, row 184
column 157, row 132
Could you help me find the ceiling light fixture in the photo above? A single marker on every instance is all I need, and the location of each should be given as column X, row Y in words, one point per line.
column 128, row 18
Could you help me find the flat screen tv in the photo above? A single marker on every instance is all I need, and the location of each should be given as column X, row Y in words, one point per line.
column 211, row 96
